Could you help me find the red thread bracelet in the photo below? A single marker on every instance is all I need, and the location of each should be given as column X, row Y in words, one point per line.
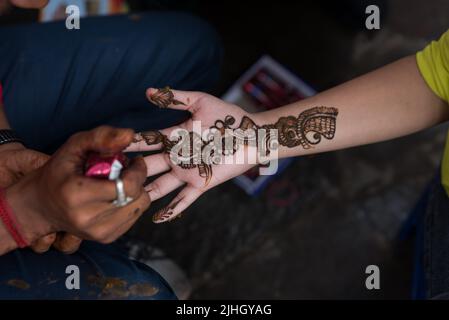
column 8, row 218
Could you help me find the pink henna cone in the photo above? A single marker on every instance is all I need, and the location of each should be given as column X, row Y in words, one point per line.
column 105, row 167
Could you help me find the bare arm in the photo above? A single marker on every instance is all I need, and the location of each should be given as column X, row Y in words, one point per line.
column 390, row 102
column 387, row 103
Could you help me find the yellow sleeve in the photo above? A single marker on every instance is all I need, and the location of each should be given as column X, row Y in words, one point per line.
column 433, row 63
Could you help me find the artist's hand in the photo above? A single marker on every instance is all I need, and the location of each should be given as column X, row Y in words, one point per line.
column 58, row 197
column 210, row 111
column 5, row 5
column 29, row 4
column 17, row 161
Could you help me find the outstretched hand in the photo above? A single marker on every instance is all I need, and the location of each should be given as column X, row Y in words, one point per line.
column 197, row 175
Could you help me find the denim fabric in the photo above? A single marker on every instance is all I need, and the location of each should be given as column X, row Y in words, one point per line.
column 57, row 81
column 105, row 272
column 436, row 240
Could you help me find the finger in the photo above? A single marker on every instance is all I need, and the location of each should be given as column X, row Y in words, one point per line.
column 134, row 177
column 42, row 245
column 88, row 190
column 97, row 203
column 104, row 139
column 183, row 200
column 154, row 139
column 123, row 229
column 134, row 215
column 67, row 243
column 84, row 190
column 30, row 160
column 123, row 218
column 142, row 142
column 156, row 164
column 163, row 186
column 173, row 99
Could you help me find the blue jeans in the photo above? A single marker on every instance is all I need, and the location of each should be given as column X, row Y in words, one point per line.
column 436, row 242
column 57, row 82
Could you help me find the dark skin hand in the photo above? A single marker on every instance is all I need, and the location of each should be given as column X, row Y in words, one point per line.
column 17, row 161
column 5, row 5
column 29, row 4
column 57, row 197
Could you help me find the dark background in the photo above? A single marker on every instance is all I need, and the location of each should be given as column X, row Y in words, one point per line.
column 314, row 230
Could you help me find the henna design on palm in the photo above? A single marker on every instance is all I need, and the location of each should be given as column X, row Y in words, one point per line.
column 156, row 137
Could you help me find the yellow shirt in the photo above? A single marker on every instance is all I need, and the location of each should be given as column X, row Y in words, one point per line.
column 433, row 63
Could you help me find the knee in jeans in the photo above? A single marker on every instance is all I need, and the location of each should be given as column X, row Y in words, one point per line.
column 199, row 37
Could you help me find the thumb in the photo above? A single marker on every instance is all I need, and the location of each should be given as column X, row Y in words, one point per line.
column 29, row 160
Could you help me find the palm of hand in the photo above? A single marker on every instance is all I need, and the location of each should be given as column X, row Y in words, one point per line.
column 208, row 113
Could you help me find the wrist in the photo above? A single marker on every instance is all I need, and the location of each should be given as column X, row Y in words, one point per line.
column 31, row 223
column 268, row 148
column 260, row 118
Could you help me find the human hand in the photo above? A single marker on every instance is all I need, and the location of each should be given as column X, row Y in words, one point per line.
column 17, row 161
column 214, row 114
column 29, row 4
column 5, row 5
column 58, row 197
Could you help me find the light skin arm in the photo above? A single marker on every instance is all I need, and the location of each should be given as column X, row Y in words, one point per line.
column 387, row 103
column 390, row 102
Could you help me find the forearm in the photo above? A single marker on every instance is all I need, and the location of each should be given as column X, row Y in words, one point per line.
column 390, row 102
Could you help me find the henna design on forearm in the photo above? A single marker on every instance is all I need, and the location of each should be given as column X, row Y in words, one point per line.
column 164, row 97
column 306, row 130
